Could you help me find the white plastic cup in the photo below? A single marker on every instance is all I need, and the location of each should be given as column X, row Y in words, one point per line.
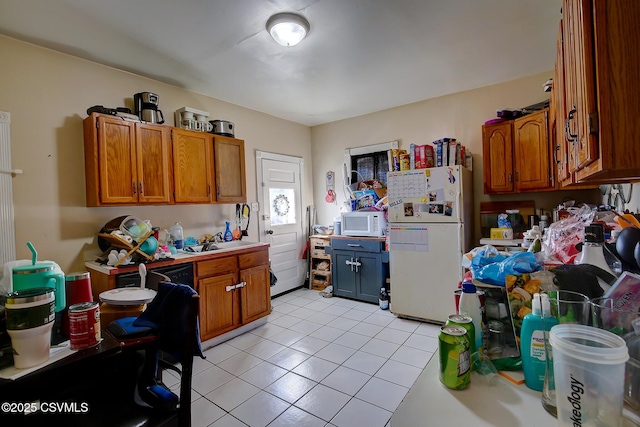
column 589, row 366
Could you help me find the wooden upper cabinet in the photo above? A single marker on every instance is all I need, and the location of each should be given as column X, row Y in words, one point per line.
column 531, row 151
column 558, row 115
column 497, row 158
column 230, row 170
column 516, row 155
column 153, row 154
column 601, row 69
column 134, row 163
column 126, row 163
column 192, row 166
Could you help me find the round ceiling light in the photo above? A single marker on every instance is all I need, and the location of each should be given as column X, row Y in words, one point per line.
column 288, row 29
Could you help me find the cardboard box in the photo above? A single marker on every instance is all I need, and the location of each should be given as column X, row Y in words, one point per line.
column 502, row 233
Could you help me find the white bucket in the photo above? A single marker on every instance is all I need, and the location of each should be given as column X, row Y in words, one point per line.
column 589, row 366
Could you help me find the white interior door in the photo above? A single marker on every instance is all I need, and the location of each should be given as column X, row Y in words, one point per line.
column 281, row 218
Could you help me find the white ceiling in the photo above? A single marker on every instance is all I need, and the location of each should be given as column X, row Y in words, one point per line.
column 360, row 56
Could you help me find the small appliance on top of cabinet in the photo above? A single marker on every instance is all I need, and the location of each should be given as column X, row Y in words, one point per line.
column 363, row 224
column 146, row 104
column 430, row 228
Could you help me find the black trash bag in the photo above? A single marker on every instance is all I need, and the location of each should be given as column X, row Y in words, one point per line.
column 273, row 277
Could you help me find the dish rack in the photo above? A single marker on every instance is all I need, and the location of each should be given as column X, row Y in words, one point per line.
column 119, row 243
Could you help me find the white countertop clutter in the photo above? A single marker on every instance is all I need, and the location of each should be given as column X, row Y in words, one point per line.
column 503, row 404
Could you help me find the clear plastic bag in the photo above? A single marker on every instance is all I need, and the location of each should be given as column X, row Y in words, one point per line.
column 559, row 242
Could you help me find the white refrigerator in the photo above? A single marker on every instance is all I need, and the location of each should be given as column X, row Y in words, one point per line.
column 430, row 229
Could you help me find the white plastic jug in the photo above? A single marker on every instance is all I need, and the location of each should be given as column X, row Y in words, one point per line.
column 177, row 234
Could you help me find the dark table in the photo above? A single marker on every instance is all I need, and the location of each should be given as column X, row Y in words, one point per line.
column 64, row 389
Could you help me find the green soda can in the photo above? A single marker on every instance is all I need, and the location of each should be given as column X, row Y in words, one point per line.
column 467, row 323
column 455, row 359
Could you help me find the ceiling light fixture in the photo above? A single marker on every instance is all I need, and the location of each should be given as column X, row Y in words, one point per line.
column 288, row 29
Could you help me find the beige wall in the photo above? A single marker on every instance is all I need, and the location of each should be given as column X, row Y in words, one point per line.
column 48, row 93
column 460, row 116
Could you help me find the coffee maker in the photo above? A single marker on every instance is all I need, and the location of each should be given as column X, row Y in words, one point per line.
column 146, row 104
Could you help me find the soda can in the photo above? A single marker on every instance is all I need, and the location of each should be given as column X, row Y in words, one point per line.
column 467, row 323
column 455, row 359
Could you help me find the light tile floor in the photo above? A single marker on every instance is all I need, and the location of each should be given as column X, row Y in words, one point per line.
column 317, row 362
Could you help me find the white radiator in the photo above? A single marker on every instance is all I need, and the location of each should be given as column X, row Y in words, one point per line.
column 7, row 232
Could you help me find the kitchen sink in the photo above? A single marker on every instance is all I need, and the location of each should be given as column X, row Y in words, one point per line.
column 209, row 247
column 233, row 244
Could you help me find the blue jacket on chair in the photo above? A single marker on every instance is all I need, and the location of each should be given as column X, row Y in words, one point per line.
column 167, row 314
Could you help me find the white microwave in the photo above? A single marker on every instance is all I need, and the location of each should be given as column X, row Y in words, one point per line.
column 363, row 224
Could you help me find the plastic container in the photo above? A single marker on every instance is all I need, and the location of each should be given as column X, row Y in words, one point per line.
column 383, row 299
column 228, row 235
column 589, row 367
column 177, row 235
column 470, row 305
column 134, row 227
column 533, row 341
column 595, row 252
column 337, row 225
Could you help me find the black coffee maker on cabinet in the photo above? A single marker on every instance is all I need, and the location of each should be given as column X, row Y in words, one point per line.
column 146, row 104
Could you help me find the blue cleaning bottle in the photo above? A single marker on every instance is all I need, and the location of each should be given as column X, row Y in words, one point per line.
column 535, row 331
column 227, row 234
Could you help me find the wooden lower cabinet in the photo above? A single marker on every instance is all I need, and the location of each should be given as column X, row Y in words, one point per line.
column 255, row 296
column 219, row 309
column 234, row 291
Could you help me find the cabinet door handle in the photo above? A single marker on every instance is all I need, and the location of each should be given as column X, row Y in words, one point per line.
column 510, row 178
column 354, row 245
column 517, row 176
column 135, row 188
column 141, row 189
column 349, row 262
column 555, row 155
column 567, row 127
column 217, row 191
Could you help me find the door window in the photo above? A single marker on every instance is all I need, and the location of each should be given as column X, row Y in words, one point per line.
column 282, row 203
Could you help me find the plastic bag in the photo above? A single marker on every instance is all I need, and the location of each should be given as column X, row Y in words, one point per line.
column 503, row 221
column 496, row 273
column 481, row 256
column 559, row 242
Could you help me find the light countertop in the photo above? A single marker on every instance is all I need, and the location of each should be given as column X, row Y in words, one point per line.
column 504, row 404
column 179, row 257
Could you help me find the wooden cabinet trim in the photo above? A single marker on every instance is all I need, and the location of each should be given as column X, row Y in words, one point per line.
column 253, row 258
column 216, row 266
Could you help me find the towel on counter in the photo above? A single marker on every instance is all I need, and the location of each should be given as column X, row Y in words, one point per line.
column 167, row 314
